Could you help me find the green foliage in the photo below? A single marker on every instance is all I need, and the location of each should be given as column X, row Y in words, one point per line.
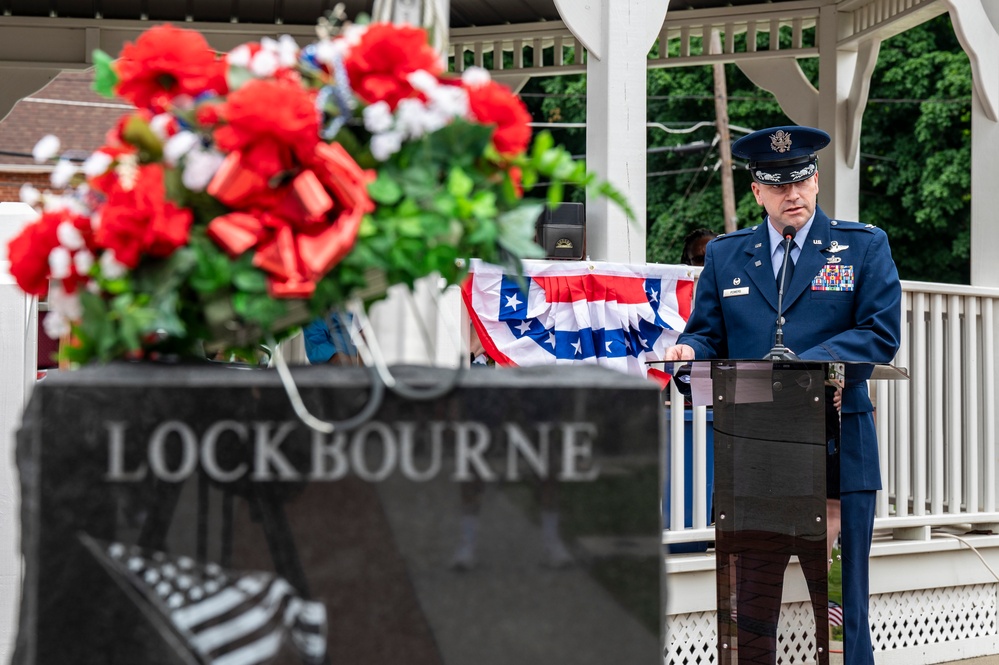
column 105, row 78
column 915, row 147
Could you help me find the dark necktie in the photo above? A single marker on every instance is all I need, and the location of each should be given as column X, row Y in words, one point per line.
column 790, row 270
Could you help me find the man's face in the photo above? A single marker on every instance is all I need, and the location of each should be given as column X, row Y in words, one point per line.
column 791, row 204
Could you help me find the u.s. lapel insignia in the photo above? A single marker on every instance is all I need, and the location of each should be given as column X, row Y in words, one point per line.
column 816, row 241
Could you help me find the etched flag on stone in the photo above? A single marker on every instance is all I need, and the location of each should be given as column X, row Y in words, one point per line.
column 222, row 617
column 616, row 315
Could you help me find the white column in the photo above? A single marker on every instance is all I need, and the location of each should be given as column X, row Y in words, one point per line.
column 18, row 366
column 844, row 81
column 976, row 23
column 617, row 35
column 836, row 107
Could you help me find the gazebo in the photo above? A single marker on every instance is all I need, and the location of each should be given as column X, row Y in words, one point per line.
column 925, row 432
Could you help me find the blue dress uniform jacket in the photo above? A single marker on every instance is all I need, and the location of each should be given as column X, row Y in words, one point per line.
column 843, row 304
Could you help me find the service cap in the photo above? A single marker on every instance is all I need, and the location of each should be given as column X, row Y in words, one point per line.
column 781, row 155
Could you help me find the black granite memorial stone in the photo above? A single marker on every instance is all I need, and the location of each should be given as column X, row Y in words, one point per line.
column 185, row 514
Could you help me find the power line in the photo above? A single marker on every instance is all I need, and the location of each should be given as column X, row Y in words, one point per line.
column 751, row 98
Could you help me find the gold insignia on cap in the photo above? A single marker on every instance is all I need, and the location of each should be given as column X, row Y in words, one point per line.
column 781, row 141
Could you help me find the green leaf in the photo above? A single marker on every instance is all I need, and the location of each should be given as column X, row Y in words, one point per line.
column 484, row 205
column 385, row 190
column 213, row 270
column 137, row 132
column 249, row 279
column 237, row 77
column 517, row 230
column 459, row 184
column 105, row 78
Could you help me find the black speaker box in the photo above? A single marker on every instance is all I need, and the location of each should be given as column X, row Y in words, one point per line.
column 562, row 231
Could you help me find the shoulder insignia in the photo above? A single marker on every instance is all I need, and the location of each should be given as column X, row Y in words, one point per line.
column 734, row 234
column 852, row 226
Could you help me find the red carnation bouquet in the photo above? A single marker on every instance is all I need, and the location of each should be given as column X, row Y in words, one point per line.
column 252, row 190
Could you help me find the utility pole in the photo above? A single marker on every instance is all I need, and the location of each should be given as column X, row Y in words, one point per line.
column 724, row 138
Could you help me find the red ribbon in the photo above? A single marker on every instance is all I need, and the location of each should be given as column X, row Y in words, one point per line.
column 310, row 229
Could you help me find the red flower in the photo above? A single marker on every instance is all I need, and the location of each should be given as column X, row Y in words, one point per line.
column 139, row 220
column 165, row 62
column 379, row 65
column 494, row 104
column 29, row 252
column 274, row 124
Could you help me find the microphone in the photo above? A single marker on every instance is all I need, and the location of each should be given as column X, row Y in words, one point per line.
column 779, row 351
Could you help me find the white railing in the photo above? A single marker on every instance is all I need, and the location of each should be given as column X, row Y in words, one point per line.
column 937, row 431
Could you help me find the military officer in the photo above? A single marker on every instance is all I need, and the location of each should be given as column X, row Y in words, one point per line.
column 841, row 303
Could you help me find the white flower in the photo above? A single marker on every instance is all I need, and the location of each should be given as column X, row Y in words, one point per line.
column 239, row 56
column 83, row 261
column 63, row 173
column 385, row 145
column 287, row 49
column 160, row 124
column 474, row 77
column 423, row 80
column 449, row 100
column 63, row 308
column 46, row 148
column 110, row 267
column 199, row 168
column 413, row 118
column 59, row 263
column 179, row 145
column 378, row 117
column 29, row 195
column 127, row 171
column 97, row 164
column 69, row 236
column 56, row 325
column 264, row 64
column 327, row 51
column 352, row 33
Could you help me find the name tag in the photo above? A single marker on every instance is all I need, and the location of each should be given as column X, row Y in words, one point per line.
column 728, row 293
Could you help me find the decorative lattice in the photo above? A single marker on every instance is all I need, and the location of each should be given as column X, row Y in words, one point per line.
column 796, row 639
column 898, row 621
column 932, row 616
column 692, row 639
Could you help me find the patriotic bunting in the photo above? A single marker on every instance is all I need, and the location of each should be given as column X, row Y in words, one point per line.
column 616, row 315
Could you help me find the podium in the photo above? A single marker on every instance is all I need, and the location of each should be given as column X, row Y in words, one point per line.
column 773, row 429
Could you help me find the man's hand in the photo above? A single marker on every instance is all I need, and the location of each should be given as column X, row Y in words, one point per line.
column 679, row 352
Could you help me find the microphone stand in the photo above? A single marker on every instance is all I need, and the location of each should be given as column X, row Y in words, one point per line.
column 779, row 352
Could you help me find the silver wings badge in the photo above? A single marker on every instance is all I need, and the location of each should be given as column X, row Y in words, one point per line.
column 781, row 141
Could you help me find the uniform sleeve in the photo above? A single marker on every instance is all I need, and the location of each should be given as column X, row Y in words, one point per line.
column 877, row 314
column 704, row 329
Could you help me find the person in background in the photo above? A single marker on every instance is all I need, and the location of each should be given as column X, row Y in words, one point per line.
column 841, row 303
column 695, row 245
column 327, row 340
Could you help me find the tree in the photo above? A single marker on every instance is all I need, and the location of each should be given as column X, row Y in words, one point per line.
column 914, row 184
